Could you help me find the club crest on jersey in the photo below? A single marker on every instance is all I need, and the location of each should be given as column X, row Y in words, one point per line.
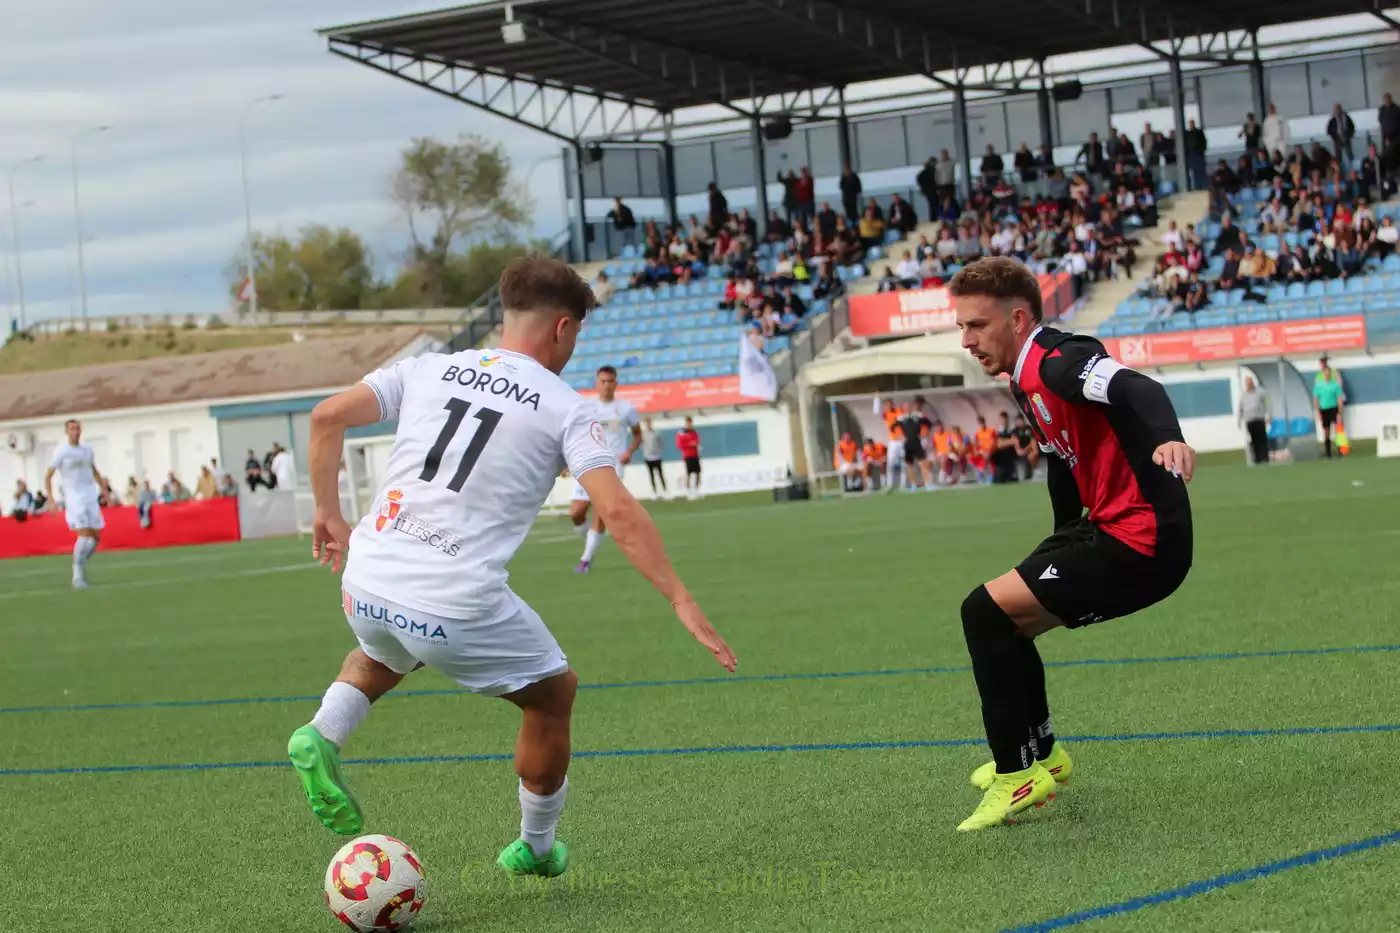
column 1041, row 407
column 389, row 508
column 595, row 431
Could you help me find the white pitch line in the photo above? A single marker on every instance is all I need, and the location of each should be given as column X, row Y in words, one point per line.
column 133, row 584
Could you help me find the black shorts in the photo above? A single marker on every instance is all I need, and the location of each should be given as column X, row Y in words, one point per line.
column 692, row 466
column 1329, row 418
column 913, row 450
column 1084, row 575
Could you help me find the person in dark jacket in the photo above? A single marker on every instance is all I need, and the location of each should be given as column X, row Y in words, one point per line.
column 1341, row 130
column 850, row 193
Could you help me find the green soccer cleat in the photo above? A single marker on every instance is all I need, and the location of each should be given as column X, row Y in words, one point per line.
column 519, row 859
column 317, row 763
column 1058, row 763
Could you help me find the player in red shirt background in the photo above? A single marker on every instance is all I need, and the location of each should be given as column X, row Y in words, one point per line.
column 688, row 443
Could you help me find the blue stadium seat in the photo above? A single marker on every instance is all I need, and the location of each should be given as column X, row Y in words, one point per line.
column 1301, row 311
column 1291, row 238
column 1300, row 426
column 1336, row 287
column 1278, row 427
column 1391, row 263
column 1276, row 293
column 1256, row 314
column 1316, row 289
column 1180, row 322
column 628, row 252
column 1356, row 285
column 1269, row 241
column 1296, row 290
column 1215, row 318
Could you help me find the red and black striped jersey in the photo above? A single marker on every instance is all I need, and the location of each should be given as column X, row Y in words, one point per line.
column 1062, row 385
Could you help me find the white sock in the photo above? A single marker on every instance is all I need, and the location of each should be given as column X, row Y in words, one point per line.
column 539, row 815
column 90, row 550
column 342, row 710
column 79, row 554
column 595, row 538
column 581, row 529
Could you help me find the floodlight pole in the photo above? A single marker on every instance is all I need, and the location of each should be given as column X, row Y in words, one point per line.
column 668, row 167
column 14, row 235
column 843, row 130
column 1047, row 127
column 251, row 268
column 78, row 218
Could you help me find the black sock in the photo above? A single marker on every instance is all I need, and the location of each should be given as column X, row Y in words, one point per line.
column 1042, row 731
column 1327, row 442
column 993, row 643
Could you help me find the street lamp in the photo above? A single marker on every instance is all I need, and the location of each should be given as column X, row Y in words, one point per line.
column 14, row 233
column 252, row 283
column 78, row 215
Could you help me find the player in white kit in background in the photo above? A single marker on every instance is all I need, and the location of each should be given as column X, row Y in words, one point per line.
column 76, row 465
column 482, row 437
column 622, row 429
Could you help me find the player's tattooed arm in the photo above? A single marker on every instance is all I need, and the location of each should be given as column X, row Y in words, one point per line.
column 637, row 537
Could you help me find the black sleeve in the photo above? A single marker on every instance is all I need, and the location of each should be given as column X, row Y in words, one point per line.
column 1147, row 399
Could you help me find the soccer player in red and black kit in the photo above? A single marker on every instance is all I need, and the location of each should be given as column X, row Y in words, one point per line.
column 1114, row 447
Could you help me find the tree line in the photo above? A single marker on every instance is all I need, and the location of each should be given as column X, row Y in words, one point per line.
column 462, row 213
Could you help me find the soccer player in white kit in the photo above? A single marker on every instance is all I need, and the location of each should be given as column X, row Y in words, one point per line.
column 622, row 429
column 482, row 436
column 76, row 465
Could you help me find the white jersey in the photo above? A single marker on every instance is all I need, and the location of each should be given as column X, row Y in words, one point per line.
column 482, row 436
column 618, row 418
column 74, row 463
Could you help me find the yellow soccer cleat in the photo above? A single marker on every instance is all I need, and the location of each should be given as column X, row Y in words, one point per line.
column 1058, row 763
column 1009, row 795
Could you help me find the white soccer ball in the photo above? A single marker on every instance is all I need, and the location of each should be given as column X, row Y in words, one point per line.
column 375, row 883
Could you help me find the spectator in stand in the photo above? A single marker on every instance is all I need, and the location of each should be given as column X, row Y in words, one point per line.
column 992, row 166
column 806, row 196
column 778, row 229
column 1024, row 162
column 207, row 486
column 947, row 246
column 850, row 193
column 1126, row 151
column 1077, row 265
column 1372, row 174
column 252, row 472
column 908, row 271
column 1273, row 217
column 1291, row 265
column 719, row 206
column 826, row 220
column 1092, row 155
column 624, row 222
column 872, row 228
column 1195, row 146
column 1341, row 130
column 1275, row 135
column 145, row 504
column 1256, row 269
column 1387, row 237
column 889, row 282
column 931, row 271
column 1044, row 161
column 1230, row 272
column 946, row 174
column 969, row 246
column 927, row 180
column 603, row 290
column 1229, row 237
column 748, row 227
column 1388, row 117
column 173, row 490
column 1113, row 146
column 902, row 216
column 1147, row 146
column 1193, row 295
column 789, row 182
column 23, row 503
column 1244, row 171
column 283, row 467
column 1252, row 133
column 1173, row 239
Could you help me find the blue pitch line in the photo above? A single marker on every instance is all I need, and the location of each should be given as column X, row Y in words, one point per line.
column 725, row 750
column 734, row 679
column 1315, row 857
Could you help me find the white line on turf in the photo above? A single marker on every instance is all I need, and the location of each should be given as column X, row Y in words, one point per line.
column 134, row 584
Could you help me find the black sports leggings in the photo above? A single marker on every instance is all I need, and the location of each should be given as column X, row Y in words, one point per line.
column 655, row 474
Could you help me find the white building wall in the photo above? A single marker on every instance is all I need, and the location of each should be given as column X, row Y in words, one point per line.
column 145, row 443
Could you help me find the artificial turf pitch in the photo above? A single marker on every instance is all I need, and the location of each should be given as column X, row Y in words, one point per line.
column 1234, row 771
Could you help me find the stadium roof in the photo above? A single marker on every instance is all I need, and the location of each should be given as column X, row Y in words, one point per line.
column 311, row 365
column 672, row 56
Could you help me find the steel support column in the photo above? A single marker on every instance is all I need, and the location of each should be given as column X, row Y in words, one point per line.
column 668, row 170
column 960, row 139
column 760, row 171
column 843, row 129
column 1256, row 74
column 580, row 219
column 1179, row 119
column 1047, row 126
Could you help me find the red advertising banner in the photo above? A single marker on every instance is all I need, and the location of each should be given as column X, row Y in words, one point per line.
column 928, row 310
column 1248, row 340
column 178, row 523
column 684, row 394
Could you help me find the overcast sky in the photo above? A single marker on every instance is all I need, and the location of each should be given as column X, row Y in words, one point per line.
column 161, row 192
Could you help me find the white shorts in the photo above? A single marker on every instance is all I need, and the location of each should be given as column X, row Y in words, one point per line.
column 492, row 656
column 581, row 494
column 849, row 469
column 896, row 451
column 84, row 514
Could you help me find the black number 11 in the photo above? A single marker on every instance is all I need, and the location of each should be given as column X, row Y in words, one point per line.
column 458, row 410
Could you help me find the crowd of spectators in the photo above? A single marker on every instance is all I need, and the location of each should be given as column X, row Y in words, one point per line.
column 1313, row 204
column 213, row 483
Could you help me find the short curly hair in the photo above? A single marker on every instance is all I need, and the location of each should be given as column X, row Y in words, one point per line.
column 999, row 277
